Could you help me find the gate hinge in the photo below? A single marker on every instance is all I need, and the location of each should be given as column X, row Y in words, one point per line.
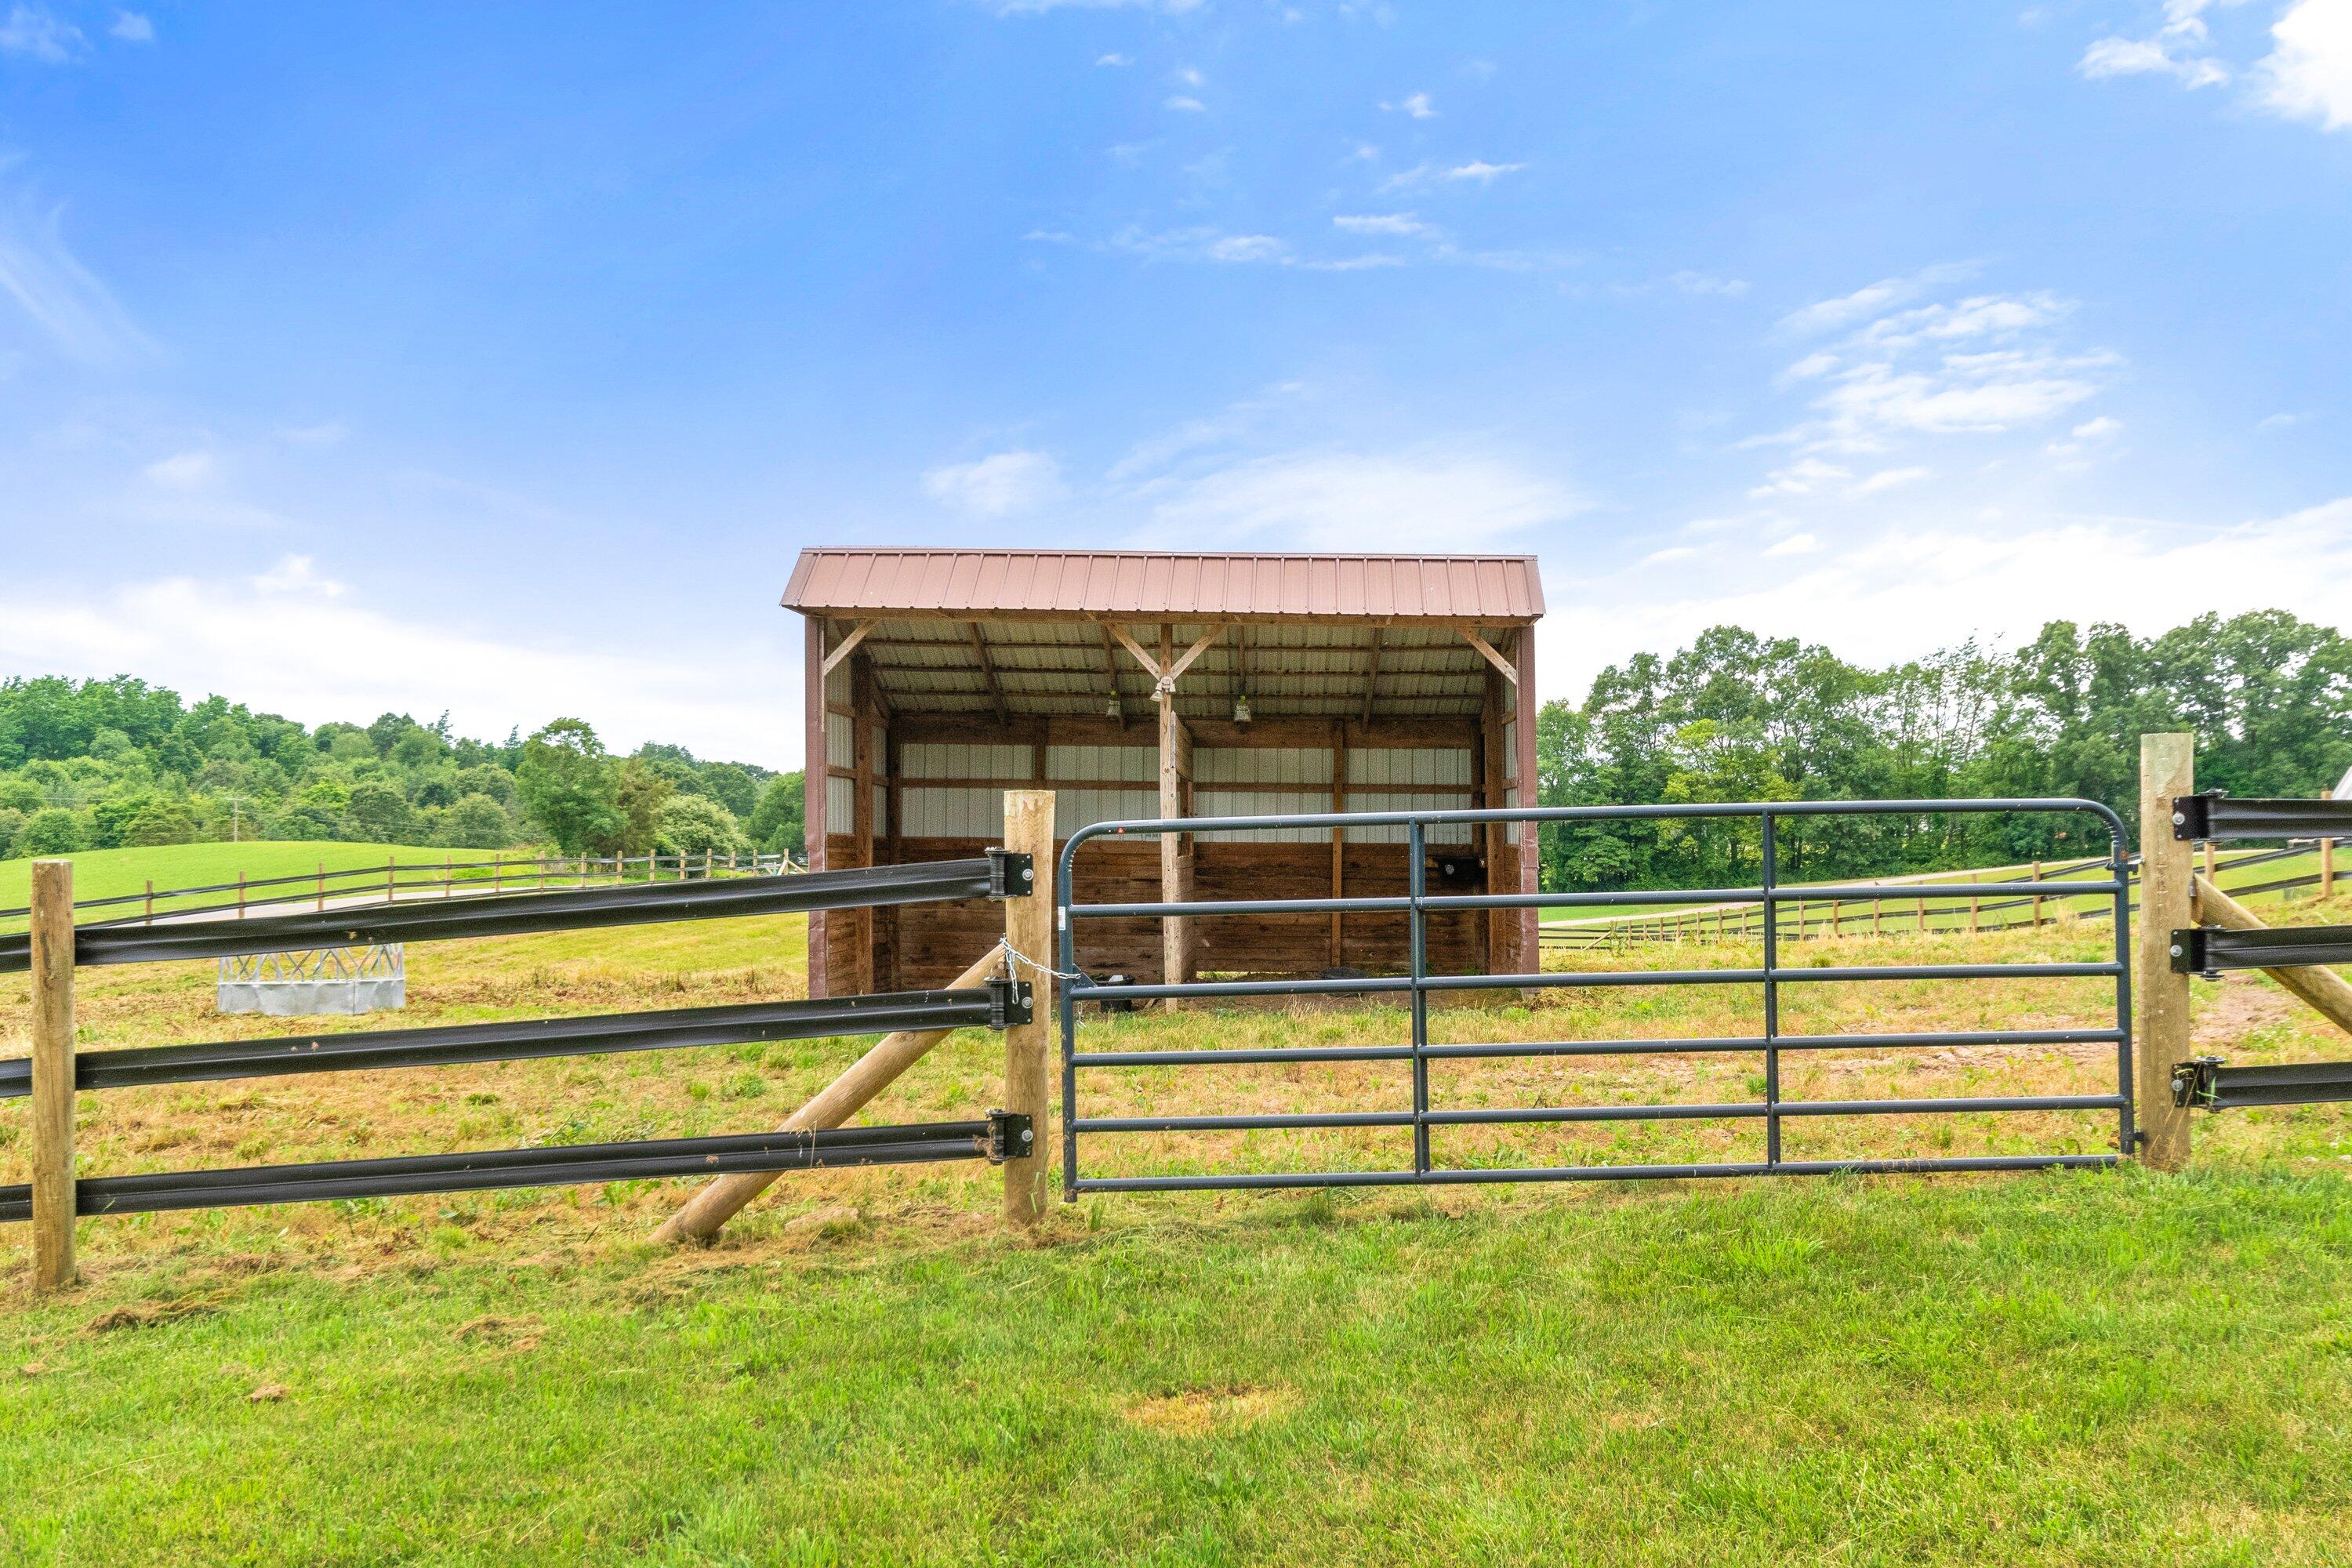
column 1010, row 1001
column 2192, row 815
column 1009, row 874
column 2186, row 950
column 1011, row 1136
column 2194, row 1080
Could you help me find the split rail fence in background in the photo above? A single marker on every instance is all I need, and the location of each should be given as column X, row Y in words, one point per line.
column 989, row 995
column 397, row 879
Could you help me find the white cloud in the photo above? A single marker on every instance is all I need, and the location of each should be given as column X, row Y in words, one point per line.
column 2097, row 429
column 998, row 485
column 1801, row 478
column 1038, row 8
column 1830, row 315
column 1418, row 106
column 1383, row 223
column 1691, row 282
column 2137, row 57
column 1435, row 498
column 1189, row 76
column 1114, row 61
column 73, row 308
column 1908, row 589
column 2309, row 75
column 1889, row 478
column 1215, row 246
column 1795, row 544
column 1187, row 105
column 256, row 636
column 37, row 34
column 185, row 470
column 326, row 432
column 132, row 28
column 1670, row 554
column 1477, row 171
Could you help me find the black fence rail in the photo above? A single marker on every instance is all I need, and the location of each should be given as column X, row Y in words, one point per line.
column 1829, row 908
column 998, row 1005
column 515, row 915
column 1418, row 984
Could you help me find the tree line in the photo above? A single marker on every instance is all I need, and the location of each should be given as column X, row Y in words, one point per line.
column 1739, row 717
column 100, row 764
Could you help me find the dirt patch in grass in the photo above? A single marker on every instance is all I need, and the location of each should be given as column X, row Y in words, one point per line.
column 1208, row 1411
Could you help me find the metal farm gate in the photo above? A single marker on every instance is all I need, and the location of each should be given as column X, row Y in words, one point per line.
column 1082, row 993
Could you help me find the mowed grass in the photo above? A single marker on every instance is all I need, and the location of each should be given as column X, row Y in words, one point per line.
column 2097, row 1367
column 114, row 873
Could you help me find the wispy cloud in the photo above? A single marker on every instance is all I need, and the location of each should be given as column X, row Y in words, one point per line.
column 1383, row 223
column 1038, row 8
column 132, row 28
column 1476, row 172
column 1114, row 59
column 999, row 485
column 1217, row 245
column 1186, row 105
column 1346, row 500
column 38, row 34
column 1417, row 105
column 1844, row 310
column 72, row 310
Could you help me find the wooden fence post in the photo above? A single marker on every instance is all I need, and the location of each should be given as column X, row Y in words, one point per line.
column 1029, row 931
column 2168, row 768
column 2327, row 858
column 151, row 900
column 53, row 1074
column 2037, row 898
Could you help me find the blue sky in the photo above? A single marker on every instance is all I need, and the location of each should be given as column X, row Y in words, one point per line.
column 500, row 359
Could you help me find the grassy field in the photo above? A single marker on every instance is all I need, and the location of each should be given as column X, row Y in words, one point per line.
column 110, row 873
column 2099, row 1368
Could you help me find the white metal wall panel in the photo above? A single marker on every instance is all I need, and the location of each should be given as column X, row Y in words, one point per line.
column 931, row 760
column 1108, row 765
column 1370, row 800
column 1374, row 766
column 840, row 741
column 1261, row 802
column 1076, row 808
column 840, row 804
column 837, row 686
column 1263, row 765
column 1511, row 749
column 960, row 811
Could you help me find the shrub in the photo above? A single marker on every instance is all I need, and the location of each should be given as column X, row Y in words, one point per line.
column 162, row 821
column 477, row 822
column 694, row 825
column 52, row 831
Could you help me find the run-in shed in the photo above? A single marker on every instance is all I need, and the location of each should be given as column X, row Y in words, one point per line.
column 1145, row 685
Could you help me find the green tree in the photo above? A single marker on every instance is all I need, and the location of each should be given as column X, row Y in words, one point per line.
column 477, row 822
column 779, row 823
column 640, row 791
column 695, row 824
column 52, row 831
column 569, row 788
column 732, row 786
column 162, row 821
column 378, row 813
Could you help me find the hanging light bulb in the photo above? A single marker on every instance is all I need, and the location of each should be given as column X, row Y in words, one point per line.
column 1241, row 709
column 1111, row 709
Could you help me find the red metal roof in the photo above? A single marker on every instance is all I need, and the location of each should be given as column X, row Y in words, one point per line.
column 1151, row 585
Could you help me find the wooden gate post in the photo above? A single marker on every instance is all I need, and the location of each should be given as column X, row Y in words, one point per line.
column 2168, row 768
column 53, row 1075
column 1029, row 931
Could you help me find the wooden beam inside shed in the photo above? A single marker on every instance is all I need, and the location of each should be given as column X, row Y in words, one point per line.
column 988, row 670
column 1372, row 675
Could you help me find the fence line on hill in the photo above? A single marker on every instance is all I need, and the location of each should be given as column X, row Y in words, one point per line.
column 396, row 880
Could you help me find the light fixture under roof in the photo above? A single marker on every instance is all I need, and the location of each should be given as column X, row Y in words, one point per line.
column 1241, row 709
column 1112, row 710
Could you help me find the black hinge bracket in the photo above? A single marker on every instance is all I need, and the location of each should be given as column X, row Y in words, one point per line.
column 1009, row 874
column 2188, row 953
column 1011, row 1136
column 2192, row 815
column 1010, row 1001
column 2193, row 1081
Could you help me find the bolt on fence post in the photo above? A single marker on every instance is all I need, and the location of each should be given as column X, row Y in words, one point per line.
column 1029, row 931
column 53, row 1074
column 2167, row 768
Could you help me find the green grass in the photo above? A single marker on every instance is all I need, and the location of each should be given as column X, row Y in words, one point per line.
column 2096, row 1369
column 108, row 873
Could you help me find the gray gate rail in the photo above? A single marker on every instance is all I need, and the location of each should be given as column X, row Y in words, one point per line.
column 1417, row 983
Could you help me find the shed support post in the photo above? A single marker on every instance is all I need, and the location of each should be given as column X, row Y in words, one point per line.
column 861, row 816
column 1523, row 653
column 53, row 1075
column 2168, row 768
column 816, row 794
column 1029, row 931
